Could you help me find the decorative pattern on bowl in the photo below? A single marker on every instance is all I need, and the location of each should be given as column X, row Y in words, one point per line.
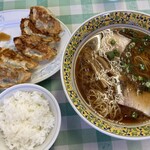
column 131, row 18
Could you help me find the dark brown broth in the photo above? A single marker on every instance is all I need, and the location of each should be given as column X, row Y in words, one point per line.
column 127, row 113
column 84, row 86
column 138, row 63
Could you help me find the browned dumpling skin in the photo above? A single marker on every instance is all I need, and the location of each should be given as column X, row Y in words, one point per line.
column 27, row 27
column 10, row 76
column 35, row 47
column 38, row 41
column 16, row 59
column 44, row 20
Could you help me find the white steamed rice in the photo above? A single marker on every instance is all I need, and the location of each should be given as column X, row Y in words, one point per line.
column 25, row 120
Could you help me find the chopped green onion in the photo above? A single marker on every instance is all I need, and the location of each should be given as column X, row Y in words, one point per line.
column 141, row 49
column 128, row 69
column 145, row 43
column 134, row 115
column 135, row 40
column 123, row 30
column 131, row 45
column 142, row 66
column 110, row 55
column 128, row 54
column 140, row 78
column 112, row 42
column 133, row 34
column 148, row 84
column 116, row 52
column 123, row 64
column 128, row 61
column 146, row 38
column 134, row 78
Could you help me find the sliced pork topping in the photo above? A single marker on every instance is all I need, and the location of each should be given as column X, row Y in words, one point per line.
column 139, row 101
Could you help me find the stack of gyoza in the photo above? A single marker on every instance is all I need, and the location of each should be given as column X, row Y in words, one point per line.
column 37, row 42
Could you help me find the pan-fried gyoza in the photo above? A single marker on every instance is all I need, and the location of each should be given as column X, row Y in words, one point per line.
column 38, row 42
column 10, row 75
column 35, row 47
column 27, row 27
column 16, row 59
column 44, row 21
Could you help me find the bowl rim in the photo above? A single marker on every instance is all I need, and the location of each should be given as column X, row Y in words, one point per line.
column 54, row 101
column 133, row 138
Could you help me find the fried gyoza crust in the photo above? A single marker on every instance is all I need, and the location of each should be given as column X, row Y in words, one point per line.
column 10, row 76
column 35, row 47
column 16, row 59
column 44, row 21
column 27, row 27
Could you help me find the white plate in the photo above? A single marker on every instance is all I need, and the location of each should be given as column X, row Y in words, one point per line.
column 10, row 24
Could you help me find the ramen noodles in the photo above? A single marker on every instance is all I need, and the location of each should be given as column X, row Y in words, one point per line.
column 112, row 73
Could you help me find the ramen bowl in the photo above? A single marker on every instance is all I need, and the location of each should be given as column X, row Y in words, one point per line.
column 86, row 32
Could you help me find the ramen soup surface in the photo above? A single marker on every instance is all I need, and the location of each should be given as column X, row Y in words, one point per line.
column 113, row 77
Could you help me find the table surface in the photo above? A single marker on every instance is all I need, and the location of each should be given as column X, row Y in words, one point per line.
column 76, row 134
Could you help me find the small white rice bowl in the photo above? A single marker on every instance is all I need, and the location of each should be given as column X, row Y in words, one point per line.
column 47, row 101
